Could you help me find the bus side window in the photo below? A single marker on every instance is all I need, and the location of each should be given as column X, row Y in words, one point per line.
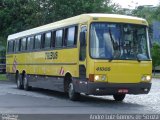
column 17, row 46
column 23, row 44
column 71, row 36
column 65, row 37
column 37, row 44
column 13, row 46
column 76, row 35
column 53, row 39
column 47, row 40
column 59, row 38
column 10, row 46
column 30, row 43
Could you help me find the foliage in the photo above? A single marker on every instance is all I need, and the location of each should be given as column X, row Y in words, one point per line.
column 146, row 12
column 3, row 77
column 156, row 15
column 150, row 13
column 155, row 51
column 19, row 15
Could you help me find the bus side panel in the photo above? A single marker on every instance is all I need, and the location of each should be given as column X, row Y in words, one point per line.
column 45, row 63
column 50, row 82
column 47, row 70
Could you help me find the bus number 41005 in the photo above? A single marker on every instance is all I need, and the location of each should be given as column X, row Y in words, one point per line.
column 103, row 69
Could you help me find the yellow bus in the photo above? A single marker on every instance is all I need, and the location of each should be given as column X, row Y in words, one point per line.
column 94, row 54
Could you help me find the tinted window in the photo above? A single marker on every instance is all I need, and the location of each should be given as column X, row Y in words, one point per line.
column 10, row 46
column 53, row 39
column 59, row 37
column 47, row 40
column 16, row 48
column 23, row 44
column 82, row 55
column 71, row 36
column 37, row 42
column 30, row 42
column 119, row 41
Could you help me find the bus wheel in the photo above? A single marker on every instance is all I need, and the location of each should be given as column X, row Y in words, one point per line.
column 72, row 94
column 119, row 97
column 25, row 83
column 18, row 81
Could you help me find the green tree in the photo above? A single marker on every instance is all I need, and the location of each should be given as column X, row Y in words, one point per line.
column 19, row 15
column 53, row 10
column 156, row 15
column 155, row 51
column 146, row 12
column 14, row 15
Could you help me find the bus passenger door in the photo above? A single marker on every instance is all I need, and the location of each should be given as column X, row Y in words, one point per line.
column 82, row 58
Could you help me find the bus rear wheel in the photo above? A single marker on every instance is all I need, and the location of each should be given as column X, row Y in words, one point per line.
column 119, row 97
column 25, row 83
column 72, row 94
column 19, row 82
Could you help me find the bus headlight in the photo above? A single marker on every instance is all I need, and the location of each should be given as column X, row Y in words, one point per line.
column 146, row 78
column 97, row 77
column 100, row 78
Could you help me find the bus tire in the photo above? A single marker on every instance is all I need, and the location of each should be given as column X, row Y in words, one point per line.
column 119, row 97
column 72, row 94
column 18, row 81
column 26, row 83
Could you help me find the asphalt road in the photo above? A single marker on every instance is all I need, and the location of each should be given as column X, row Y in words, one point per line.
column 38, row 101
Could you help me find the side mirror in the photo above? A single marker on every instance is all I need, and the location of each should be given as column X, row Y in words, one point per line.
column 82, row 38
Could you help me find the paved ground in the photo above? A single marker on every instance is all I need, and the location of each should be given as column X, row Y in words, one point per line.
column 40, row 101
column 13, row 100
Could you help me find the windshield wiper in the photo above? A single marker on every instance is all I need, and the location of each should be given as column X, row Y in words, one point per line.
column 112, row 40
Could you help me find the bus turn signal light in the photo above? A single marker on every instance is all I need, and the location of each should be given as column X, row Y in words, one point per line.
column 97, row 78
column 91, row 77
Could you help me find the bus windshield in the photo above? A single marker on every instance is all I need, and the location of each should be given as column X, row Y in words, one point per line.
column 119, row 41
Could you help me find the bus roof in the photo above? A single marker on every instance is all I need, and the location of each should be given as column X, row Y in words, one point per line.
column 79, row 19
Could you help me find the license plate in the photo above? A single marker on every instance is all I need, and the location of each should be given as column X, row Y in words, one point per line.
column 122, row 90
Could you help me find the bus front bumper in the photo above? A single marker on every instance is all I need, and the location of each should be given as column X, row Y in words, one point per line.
column 95, row 88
